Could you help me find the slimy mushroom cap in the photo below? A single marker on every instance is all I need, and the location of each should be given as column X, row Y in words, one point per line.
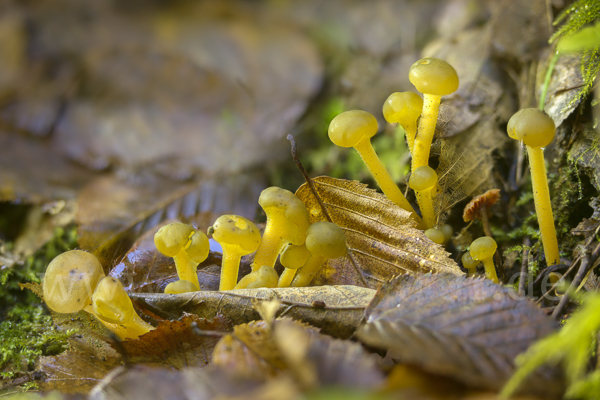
column 236, row 231
column 483, row 247
column 278, row 202
column 326, row 239
column 111, row 303
column 172, row 238
column 198, row 247
column 349, row 128
column 433, row 76
column 423, row 178
column 402, row 107
column 533, row 127
column 70, row 280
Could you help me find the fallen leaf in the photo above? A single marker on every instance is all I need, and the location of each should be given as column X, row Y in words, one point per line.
column 565, row 88
column 335, row 310
column 467, row 329
column 380, row 236
column 174, row 344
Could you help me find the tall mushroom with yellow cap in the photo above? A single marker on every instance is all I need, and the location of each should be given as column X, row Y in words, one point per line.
column 434, row 78
column 536, row 130
column 324, row 240
column 355, row 129
column 423, row 181
column 237, row 236
column 287, row 221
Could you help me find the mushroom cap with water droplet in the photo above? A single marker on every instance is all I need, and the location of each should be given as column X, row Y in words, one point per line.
column 533, row 127
column 349, row 128
column 433, row 76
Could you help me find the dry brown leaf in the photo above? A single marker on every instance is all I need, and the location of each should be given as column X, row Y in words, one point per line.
column 381, row 237
column 467, row 329
column 336, row 310
column 233, row 355
column 565, row 87
column 174, row 344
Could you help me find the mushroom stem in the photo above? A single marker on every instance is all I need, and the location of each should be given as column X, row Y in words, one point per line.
column 305, row 275
column 490, row 270
column 229, row 270
column 383, row 178
column 270, row 247
column 426, row 130
column 485, row 220
column 543, row 208
column 425, row 201
column 263, row 277
column 286, row 278
column 186, row 268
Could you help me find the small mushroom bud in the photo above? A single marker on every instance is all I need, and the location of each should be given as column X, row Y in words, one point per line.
column 355, row 129
column 436, row 235
column 292, row 258
column 187, row 247
column 447, row 231
column 180, row 286
column 423, row 181
column 405, row 109
column 237, row 236
column 263, row 277
column 434, row 78
column 536, row 129
column 483, row 250
column 70, row 281
column 324, row 240
column 112, row 304
column 469, row 263
column 287, row 221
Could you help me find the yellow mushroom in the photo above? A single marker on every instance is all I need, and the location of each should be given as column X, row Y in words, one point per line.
column 469, row 263
column 355, row 129
column 536, row 130
column 263, row 277
column 237, row 236
column 292, row 258
column 405, row 109
column 187, row 247
column 324, row 240
column 287, row 221
column 483, row 249
column 435, row 235
column 423, row 181
column 111, row 304
column 434, row 78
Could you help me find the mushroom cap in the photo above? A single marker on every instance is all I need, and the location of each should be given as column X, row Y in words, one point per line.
column 402, row 107
column 264, row 277
column 288, row 209
column 469, row 262
column 533, row 127
column 70, row 280
column 433, row 76
column 447, row 230
column 172, row 238
column 180, row 286
column 111, row 303
column 326, row 239
column 236, row 231
column 423, row 178
column 436, row 235
column 472, row 209
column 198, row 247
column 350, row 127
column 482, row 248
column 294, row 257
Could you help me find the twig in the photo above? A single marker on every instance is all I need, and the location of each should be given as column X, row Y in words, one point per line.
column 524, row 265
column 581, row 273
column 199, row 332
column 313, row 189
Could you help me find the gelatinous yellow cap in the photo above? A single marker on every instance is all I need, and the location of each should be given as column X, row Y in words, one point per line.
column 70, row 280
column 350, row 127
column 237, row 232
column 433, row 76
column 423, row 178
column 468, row 261
column 436, row 235
column 180, row 286
column 275, row 200
column 533, row 127
column 326, row 239
column 111, row 303
column 402, row 107
column 198, row 247
column 172, row 238
column 483, row 248
column 294, row 257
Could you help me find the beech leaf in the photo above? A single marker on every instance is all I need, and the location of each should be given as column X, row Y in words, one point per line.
column 381, row 237
column 336, row 310
column 467, row 329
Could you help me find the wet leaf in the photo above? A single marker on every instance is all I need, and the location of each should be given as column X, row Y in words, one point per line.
column 381, row 238
column 467, row 329
column 566, row 87
column 145, row 270
column 75, row 371
column 585, row 152
column 174, row 344
column 336, row 310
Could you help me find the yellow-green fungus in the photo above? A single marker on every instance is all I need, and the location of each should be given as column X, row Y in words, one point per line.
column 483, row 249
column 423, row 181
column 404, row 108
